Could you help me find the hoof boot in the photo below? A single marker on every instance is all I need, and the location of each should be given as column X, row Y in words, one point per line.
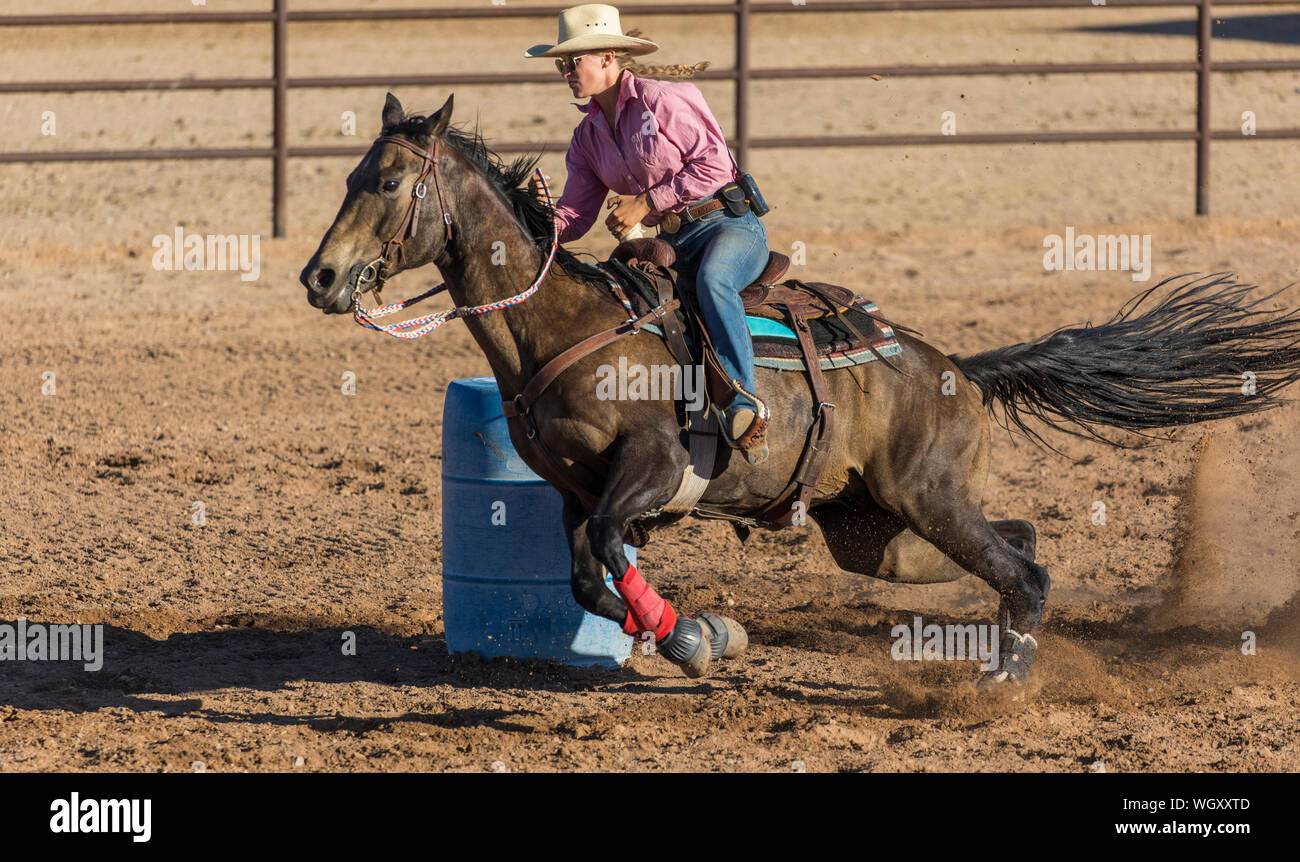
column 688, row 647
column 727, row 636
column 1016, row 655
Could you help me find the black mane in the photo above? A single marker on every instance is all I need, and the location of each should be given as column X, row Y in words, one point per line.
column 531, row 214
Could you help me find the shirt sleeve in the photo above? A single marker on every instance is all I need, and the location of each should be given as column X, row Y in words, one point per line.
column 700, row 155
column 577, row 208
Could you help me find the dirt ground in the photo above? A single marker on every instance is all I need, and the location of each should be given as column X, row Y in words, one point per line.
column 323, row 510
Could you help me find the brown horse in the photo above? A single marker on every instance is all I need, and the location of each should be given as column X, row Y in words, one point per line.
column 900, row 498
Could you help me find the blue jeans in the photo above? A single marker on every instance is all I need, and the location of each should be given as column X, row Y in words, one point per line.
column 726, row 254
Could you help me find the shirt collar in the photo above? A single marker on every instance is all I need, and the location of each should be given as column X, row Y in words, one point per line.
column 628, row 89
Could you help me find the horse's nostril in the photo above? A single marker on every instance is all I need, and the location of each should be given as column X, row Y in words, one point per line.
column 324, row 278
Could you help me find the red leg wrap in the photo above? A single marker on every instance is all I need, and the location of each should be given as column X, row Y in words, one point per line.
column 646, row 610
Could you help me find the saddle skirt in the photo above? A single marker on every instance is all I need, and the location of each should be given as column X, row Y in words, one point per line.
column 846, row 329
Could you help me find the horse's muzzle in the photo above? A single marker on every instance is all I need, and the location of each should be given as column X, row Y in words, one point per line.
column 325, row 291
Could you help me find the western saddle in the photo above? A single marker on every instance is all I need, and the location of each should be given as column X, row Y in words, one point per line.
column 639, row 276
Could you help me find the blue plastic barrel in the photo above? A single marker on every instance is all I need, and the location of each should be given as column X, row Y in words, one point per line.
column 505, row 559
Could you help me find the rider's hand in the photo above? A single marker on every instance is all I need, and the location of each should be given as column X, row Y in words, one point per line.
column 628, row 211
column 535, row 188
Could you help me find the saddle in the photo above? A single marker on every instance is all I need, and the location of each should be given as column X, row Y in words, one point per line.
column 826, row 320
column 841, row 322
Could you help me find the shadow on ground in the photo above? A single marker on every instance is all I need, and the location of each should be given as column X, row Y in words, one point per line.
column 1279, row 29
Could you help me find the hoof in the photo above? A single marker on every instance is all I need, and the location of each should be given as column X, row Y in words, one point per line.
column 727, row 636
column 1015, row 656
column 688, row 647
column 992, row 679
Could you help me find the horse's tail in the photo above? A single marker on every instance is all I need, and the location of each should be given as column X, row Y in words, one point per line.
column 1204, row 351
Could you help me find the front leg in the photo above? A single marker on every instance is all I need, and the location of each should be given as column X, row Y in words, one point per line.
column 587, row 578
column 644, row 474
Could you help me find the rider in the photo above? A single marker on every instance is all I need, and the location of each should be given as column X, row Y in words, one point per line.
column 658, row 147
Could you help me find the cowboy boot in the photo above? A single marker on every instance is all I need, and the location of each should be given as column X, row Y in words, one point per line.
column 745, row 427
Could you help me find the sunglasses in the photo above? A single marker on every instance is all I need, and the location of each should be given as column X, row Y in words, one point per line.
column 566, row 65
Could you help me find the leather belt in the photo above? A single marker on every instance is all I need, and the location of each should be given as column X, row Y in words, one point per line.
column 672, row 222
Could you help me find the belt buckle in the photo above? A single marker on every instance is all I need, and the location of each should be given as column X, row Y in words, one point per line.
column 671, row 222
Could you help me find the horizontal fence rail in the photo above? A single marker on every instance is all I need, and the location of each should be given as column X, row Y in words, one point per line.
column 279, row 82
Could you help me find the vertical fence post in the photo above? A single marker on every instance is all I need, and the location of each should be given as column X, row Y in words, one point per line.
column 1204, row 35
column 280, row 62
column 742, row 82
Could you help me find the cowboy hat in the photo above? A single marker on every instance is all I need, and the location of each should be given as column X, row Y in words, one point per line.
column 589, row 28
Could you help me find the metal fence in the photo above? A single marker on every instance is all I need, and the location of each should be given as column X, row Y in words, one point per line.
column 742, row 74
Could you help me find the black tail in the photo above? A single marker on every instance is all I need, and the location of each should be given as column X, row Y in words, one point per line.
column 1187, row 358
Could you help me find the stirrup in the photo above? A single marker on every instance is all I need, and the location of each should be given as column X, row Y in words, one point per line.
column 753, row 441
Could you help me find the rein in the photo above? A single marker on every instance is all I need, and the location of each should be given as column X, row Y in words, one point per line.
column 418, row 327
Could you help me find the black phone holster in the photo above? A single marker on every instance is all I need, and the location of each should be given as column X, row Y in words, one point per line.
column 735, row 199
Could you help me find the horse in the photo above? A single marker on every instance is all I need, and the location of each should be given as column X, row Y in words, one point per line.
column 900, row 497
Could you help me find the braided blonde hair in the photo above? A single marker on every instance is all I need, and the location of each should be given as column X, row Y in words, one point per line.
column 669, row 72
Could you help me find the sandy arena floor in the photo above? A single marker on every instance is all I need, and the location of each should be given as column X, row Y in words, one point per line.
column 323, row 511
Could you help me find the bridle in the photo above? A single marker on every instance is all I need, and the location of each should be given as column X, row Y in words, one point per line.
column 394, row 250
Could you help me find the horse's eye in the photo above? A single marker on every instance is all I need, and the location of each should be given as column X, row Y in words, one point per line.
column 391, row 185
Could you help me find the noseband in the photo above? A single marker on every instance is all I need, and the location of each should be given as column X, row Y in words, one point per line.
column 395, row 249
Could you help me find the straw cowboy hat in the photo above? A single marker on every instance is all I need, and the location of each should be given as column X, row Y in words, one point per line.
column 589, row 28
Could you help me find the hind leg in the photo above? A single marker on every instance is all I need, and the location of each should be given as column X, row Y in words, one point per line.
column 1020, row 535
column 963, row 534
column 935, row 489
column 933, row 478
column 957, row 542
column 865, row 538
column 909, row 559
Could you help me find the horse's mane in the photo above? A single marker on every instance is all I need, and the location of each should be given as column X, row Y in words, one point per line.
column 531, row 214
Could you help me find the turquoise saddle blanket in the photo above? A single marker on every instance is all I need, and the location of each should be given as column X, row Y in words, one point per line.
column 776, row 345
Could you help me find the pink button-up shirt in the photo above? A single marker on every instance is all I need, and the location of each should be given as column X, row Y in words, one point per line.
column 667, row 143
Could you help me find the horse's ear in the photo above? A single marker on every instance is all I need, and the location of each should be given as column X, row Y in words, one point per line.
column 438, row 123
column 393, row 113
